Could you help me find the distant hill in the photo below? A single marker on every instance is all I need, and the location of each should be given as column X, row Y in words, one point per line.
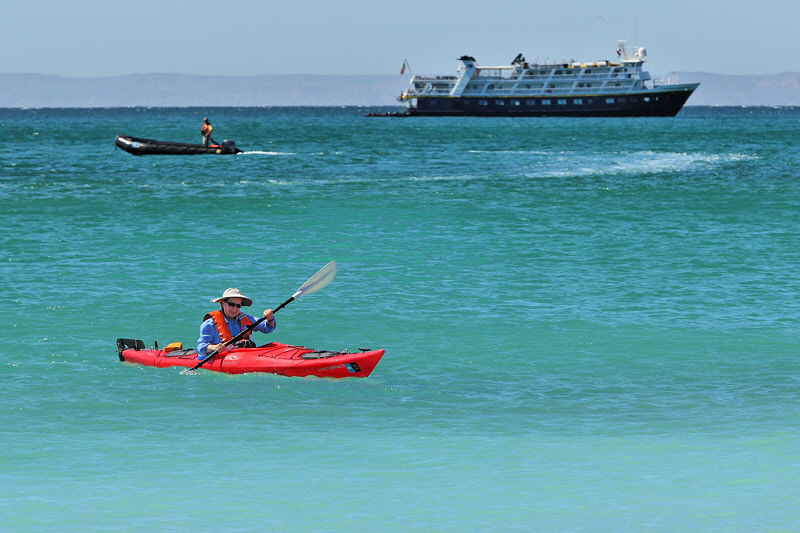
column 725, row 90
column 183, row 90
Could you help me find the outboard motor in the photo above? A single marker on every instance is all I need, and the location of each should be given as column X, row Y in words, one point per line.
column 229, row 145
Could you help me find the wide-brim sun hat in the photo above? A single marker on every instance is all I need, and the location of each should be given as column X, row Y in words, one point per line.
column 233, row 293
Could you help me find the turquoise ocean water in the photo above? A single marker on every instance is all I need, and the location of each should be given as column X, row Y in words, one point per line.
column 589, row 324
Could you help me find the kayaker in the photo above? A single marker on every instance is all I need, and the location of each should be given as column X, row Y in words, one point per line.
column 221, row 326
column 206, row 130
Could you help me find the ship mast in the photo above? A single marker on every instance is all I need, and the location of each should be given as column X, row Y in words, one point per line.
column 631, row 56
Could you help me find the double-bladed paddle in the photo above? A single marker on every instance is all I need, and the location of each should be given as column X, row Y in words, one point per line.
column 314, row 283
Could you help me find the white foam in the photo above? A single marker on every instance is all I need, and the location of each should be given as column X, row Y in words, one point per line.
column 259, row 152
column 627, row 163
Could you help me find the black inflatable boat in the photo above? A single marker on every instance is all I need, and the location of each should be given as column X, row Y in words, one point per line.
column 137, row 146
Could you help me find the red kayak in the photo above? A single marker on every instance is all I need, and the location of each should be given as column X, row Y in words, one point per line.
column 274, row 358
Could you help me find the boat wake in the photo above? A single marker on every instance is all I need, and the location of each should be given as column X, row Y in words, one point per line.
column 260, row 152
column 626, row 163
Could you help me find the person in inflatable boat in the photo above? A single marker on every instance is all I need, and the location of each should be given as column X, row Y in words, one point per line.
column 206, row 130
column 221, row 326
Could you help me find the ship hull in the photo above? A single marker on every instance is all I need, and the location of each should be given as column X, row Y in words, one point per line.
column 666, row 102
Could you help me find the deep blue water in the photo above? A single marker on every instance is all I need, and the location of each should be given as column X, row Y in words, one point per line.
column 589, row 324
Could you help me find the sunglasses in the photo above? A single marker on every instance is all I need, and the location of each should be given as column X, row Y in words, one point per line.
column 233, row 305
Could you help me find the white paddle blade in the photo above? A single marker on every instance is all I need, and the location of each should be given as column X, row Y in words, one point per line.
column 318, row 280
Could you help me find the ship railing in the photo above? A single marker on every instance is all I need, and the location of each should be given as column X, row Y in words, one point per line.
column 666, row 81
column 585, row 78
column 564, row 91
column 433, row 90
column 525, row 90
column 535, row 77
column 418, row 77
column 505, row 73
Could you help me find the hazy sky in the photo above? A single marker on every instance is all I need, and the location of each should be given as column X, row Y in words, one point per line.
column 88, row 38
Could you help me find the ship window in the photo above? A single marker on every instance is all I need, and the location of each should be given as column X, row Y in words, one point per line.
column 483, row 102
column 516, row 102
column 562, row 101
column 609, row 100
column 545, row 102
column 577, row 101
column 499, row 102
column 530, row 102
column 646, row 98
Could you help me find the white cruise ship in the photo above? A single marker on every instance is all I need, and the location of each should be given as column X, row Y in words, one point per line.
column 618, row 88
